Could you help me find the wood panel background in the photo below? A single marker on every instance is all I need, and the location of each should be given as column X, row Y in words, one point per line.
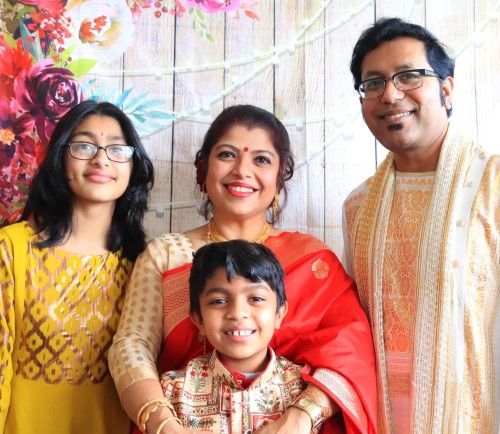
column 293, row 61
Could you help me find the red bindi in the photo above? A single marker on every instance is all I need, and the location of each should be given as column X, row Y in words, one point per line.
column 245, row 149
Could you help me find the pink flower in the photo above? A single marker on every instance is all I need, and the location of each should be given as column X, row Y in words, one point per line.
column 213, row 6
column 48, row 93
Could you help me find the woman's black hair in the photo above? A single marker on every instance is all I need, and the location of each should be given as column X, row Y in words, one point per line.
column 250, row 117
column 50, row 199
column 388, row 29
column 239, row 258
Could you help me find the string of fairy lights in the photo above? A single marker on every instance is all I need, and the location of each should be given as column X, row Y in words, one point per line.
column 262, row 61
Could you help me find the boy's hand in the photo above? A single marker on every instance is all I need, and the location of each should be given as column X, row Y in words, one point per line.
column 293, row 421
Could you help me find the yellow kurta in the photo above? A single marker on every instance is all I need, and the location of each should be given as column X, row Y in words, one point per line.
column 59, row 313
column 425, row 252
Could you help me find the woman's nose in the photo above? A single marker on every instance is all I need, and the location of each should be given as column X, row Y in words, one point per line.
column 242, row 166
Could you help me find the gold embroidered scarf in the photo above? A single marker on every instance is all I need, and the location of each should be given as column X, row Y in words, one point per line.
column 435, row 395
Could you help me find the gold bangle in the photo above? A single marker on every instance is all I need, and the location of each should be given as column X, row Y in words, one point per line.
column 312, row 409
column 150, row 407
column 319, row 400
column 164, row 422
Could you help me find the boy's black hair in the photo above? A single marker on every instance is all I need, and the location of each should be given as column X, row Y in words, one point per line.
column 240, row 258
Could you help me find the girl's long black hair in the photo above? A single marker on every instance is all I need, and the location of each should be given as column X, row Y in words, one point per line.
column 50, row 200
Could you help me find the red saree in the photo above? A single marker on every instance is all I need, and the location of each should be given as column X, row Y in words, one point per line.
column 325, row 327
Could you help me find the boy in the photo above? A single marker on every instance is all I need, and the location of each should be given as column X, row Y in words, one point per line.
column 237, row 300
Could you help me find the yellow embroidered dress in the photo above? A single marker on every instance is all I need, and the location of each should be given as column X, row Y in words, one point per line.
column 59, row 312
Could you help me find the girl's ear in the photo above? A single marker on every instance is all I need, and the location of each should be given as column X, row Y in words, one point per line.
column 198, row 322
column 281, row 314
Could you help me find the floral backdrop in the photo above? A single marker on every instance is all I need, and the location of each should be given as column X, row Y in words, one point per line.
column 46, row 47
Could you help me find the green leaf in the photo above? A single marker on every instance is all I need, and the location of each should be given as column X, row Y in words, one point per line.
column 200, row 14
column 131, row 104
column 11, row 42
column 80, row 67
column 150, row 103
column 65, row 55
column 156, row 114
column 121, row 99
column 139, row 117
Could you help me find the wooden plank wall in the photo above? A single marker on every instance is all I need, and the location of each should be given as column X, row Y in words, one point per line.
column 293, row 61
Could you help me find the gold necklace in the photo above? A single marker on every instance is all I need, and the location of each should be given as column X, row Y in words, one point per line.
column 213, row 235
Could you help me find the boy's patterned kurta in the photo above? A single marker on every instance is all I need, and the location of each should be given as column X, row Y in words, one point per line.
column 207, row 396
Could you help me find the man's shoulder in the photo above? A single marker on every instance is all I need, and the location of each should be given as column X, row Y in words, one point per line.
column 358, row 194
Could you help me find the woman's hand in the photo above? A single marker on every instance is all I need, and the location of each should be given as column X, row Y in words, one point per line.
column 293, row 421
column 174, row 428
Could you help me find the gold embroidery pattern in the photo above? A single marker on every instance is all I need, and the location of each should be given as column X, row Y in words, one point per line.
column 434, row 345
column 72, row 308
column 141, row 329
column 341, row 388
column 7, row 298
column 206, row 395
column 320, row 269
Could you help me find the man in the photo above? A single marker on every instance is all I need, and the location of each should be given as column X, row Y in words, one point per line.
column 423, row 241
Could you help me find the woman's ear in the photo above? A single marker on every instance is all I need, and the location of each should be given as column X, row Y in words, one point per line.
column 281, row 314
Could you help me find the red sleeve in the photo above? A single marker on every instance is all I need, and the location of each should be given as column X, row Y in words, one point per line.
column 326, row 327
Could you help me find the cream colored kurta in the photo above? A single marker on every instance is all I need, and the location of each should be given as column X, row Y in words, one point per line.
column 430, row 285
column 207, row 396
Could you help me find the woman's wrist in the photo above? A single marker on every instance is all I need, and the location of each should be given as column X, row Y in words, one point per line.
column 148, row 409
column 299, row 418
column 309, row 407
column 316, row 404
column 168, row 428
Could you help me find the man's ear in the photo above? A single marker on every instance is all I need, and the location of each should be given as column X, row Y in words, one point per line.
column 281, row 314
column 198, row 322
column 447, row 87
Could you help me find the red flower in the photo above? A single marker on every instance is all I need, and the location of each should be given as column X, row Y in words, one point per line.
column 15, row 64
column 48, row 93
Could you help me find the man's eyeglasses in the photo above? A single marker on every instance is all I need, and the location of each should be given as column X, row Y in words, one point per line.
column 404, row 80
column 87, row 151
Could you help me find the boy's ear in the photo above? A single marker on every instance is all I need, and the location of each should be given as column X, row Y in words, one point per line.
column 198, row 322
column 281, row 314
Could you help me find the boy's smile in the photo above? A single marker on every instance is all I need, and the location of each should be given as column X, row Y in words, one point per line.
column 238, row 318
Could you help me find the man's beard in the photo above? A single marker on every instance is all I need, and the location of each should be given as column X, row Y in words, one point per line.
column 395, row 127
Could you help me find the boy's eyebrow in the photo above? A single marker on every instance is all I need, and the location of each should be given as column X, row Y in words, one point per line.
column 248, row 288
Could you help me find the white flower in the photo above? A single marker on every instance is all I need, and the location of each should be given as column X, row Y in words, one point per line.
column 102, row 29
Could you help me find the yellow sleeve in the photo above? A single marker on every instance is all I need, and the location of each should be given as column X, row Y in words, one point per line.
column 7, row 325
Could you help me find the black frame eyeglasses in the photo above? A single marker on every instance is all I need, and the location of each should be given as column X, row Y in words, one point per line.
column 405, row 80
column 88, row 151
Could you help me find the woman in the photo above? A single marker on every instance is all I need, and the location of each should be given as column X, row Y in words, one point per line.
column 243, row 166
column 63, row 272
